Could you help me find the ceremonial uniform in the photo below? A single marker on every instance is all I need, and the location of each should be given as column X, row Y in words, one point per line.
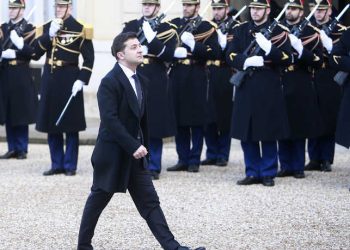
column 189, row 77
column 259, row 114
column 301, row 101
column 329, row 95
column 2, row 111
column 19, row 100
column 61, row 70
column 161, row 116
column 220, row 99
column 340, row 60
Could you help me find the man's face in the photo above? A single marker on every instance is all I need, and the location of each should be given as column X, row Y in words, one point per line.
column 16, row 13
column 132, row 54
column 259, row 15
column 150, row 10
column 322, row 16
column 219, row 13
column 293, row 14
column 189, row 10
column 61, row 10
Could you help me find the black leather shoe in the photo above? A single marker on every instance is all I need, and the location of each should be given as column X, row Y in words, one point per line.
column 284, row 173
column 9, row 155
column 299, row 175
column 53, row 172
column 268, row 181
column 178, row 167
column 155, row 175
column 208, row 162
column 187, row 248
column 313, row 165
column 326, row 166
column 69, row 173
column 221, row 163
column 249, row 180
column 21, row 156
column 193, row 168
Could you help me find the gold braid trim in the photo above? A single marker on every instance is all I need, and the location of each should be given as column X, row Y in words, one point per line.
column 205, row 35
column 66, row 49
column 308, row 39
column 1, row 34
column 166, row 35
column 280, row 39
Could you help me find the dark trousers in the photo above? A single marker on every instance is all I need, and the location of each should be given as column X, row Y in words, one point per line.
column 321, row 148
column 146, row 200
column 218, row 143
column 185, row 135
column 155, row 154
column 17, row 138
column 291, row 154
column 260, row 161
column 60, row 159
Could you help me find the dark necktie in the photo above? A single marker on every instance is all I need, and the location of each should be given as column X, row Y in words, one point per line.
column 138, row 89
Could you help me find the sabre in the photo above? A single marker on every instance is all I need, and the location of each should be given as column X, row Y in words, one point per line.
column 64, row 110
column 239, row 12
column 169, row 8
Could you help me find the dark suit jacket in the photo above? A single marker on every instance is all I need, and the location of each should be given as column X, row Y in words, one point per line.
column 121, row 121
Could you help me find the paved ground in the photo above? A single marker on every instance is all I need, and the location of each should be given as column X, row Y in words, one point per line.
column 207, row 208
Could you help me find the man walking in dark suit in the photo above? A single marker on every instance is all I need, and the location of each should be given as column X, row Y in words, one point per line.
column 119, row 158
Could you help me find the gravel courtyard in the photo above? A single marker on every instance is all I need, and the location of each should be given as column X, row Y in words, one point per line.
column 204, row 209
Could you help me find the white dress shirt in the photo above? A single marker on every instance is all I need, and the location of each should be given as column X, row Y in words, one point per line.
column 129, row 73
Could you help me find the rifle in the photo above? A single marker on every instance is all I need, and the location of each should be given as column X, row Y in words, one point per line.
column 329, row 29
column 19, row 28
column 226, row 26
column 341, row 76
column 298, row 30
column 155, row 23
column 239, row 76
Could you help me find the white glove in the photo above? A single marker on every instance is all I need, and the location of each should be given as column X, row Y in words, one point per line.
column 180, row 52
column 188, row 39
column 77, row 86
column 144, row 50
column 222, row 39
column 16, row 40
column 253, row 61
column 8, row 54
column 148, row 31
column 263, row 43
column 326, row 41
column 55, row 27
column 296, row 44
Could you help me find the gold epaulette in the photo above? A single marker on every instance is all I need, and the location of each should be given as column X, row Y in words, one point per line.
column 239, row 24
column 166, row 35
column 39, row 31
column 314, row 27
column 171, row 24
column 204, row 36
column 284, row 27
column 213, row 24
column 88, row 32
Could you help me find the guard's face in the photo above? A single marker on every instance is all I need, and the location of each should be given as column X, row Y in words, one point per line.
column 132, row 54
column 189, row 10
column 219, row 13
column 63, row 10
column 293, row 14
column 322, row 16
column 150, row 10
column 259, row 15
column 16, row 13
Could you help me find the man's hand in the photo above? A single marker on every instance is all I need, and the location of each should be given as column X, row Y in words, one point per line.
column 222, row 39
column 8, row 54
column 253, row 61
column 148, row 31
column 326, row 41
column 263, row 43
column 188, row 39
column 180, row 52
column 144, row 50
column 55, row 26
column 140, row 152
column 296, row 44
column 77, row 86
column 16, row 40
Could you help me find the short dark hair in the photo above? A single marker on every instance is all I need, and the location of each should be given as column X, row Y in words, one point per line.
column 119, row 42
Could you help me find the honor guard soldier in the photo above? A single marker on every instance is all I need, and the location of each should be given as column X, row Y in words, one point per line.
column 298, row 88
column 19, row 94
column 321, row 149
column 199, row 43
column 259, row 116
column 217, row 132
column 158, row 49
column 63, row 40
